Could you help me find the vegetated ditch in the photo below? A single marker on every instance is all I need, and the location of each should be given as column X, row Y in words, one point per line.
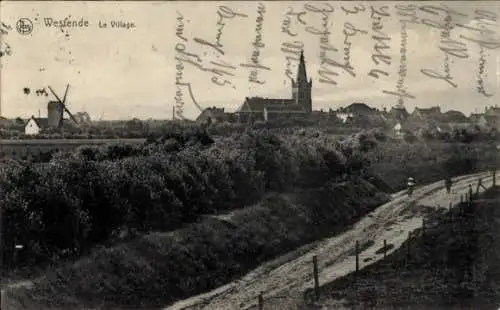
column 161, row 268
column 453, row 264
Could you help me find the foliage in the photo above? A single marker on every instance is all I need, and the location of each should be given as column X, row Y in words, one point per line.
column 78, row 199
column 99, row 194
column 203, row 255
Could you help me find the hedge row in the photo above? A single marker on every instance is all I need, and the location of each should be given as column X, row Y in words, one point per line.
column 96, row 193
column 160, row 268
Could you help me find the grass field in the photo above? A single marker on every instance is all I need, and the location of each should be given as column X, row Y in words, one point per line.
column 20, row 148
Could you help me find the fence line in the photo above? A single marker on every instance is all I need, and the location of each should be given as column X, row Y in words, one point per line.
column 469, row 197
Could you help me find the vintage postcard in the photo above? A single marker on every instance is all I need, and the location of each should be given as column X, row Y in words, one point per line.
column 249, row 155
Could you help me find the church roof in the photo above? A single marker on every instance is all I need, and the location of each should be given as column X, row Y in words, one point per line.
column 257, row 104
column 279, row 108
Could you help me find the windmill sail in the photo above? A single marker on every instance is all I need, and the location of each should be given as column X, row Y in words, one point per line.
column 63, row 102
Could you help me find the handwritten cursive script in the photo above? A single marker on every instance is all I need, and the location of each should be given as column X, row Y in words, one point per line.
column 488, row 37
column 449, row 46
column 403, row 11
column 482, row 74
column 257, row 44
column 5, row 49
column 179, row 74
column 221, row 69
column 484, row 21
column 224, row 13
column 292, row 49
column 326, row 63
column 349, row 31
column 287, row 22
column 381, row 39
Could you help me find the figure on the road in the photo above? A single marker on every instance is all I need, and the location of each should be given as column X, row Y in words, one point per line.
column 448, row 183
column 411, row 184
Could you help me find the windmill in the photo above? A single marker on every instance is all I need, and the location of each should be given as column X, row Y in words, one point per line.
column 57, row 108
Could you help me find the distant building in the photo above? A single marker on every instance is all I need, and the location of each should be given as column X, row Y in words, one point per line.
column 258, row 108
column 35, row 125
column 398, row 112
column 478, row 120
column 358, row 108
column 398, row 129
column 492, row 111
column 430, row 113
column 273, row 112
column 212, row 115
column 344, row 117
column 455, row 117
column 493, row 121
column 4, row 121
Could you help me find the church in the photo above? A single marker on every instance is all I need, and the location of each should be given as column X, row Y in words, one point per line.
column 258, row 108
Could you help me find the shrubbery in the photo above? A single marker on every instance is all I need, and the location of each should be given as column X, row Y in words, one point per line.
column 96, row 192
column 201, row 256
column 101, row 193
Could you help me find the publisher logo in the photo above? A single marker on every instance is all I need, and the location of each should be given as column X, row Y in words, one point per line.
column 24, row 26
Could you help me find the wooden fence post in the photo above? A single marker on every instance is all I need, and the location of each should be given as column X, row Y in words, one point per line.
column 408, row 248
column 2, row 300
column 316, row 278
column 470, row 192
column 385, row 248
column 494, row 179
column 450, row 214
column 261, row 301
column 461, row 198
column 357, row 257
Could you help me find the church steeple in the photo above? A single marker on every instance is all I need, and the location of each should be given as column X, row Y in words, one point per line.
column 301, row 73
column 301, row 88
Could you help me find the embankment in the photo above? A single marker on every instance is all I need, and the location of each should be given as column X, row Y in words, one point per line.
column 453, row 264
column 160, row 268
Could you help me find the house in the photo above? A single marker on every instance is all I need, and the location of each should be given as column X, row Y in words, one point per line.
column 492, row 121
column 453, row 116
column 478, row 120
column 425, row 114
column 344, row 116
column 397, row 112
column 4, row 122
column 360, row 113
column 424, row 119
column 358, row 108
column 492, row 111
column 211, row 115
column 398, row 129
column 258, row 108
column 35, row 125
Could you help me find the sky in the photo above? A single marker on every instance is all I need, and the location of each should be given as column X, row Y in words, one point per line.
column 144, row 71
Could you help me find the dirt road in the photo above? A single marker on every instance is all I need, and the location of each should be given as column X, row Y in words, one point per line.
column 291, row 275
